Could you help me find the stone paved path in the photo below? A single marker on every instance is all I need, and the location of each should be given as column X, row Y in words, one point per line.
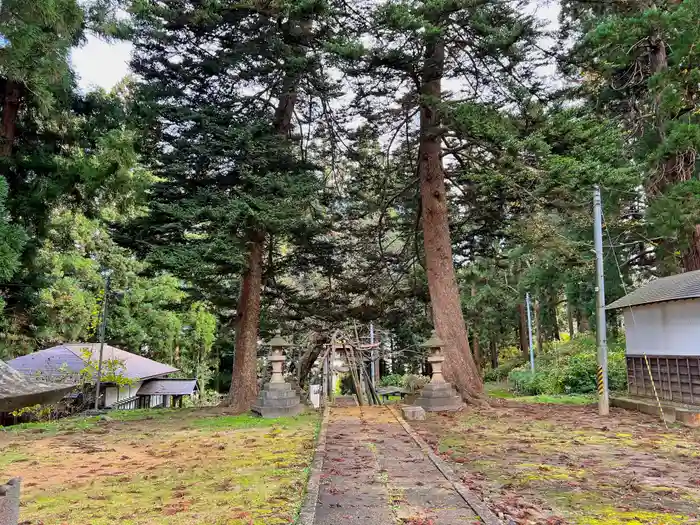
column 375, row 474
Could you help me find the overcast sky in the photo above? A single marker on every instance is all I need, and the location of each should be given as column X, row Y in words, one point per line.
column 101, row 64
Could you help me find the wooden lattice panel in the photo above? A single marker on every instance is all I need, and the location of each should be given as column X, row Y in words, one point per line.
column 676, row 378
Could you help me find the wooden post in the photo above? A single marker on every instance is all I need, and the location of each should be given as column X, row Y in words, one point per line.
column 9, row 502
column 668, row 375
column 352, row 362
column 690, row 380
column 538, row 326
column 324, row 392
column 678, row 377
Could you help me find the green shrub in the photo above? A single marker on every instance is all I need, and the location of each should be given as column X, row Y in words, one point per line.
column 392, row 380
column 570, row 368
column 414, row 382
column 502, row 371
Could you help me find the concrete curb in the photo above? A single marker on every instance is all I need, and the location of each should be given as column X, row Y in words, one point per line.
column 307, row 515
column 476, row 504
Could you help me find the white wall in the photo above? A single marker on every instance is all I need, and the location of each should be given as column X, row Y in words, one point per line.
column 664, row 328
column 112, row 394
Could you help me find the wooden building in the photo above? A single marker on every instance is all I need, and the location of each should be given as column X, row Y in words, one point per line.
column 149, row 385
column 662, row 329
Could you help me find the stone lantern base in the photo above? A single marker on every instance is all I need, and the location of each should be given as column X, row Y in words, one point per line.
column 439, row 397
column 277, row 400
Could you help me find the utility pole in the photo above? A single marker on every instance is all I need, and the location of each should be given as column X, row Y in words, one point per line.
column 103, row 327
column 601, row 335
column 529, row 333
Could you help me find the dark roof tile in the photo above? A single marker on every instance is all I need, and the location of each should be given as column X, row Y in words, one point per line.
column 674, row 288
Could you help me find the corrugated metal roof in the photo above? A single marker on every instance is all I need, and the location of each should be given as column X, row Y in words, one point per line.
column 676, row 287
column 18, row 390
column 168, row 387
column 68, row 359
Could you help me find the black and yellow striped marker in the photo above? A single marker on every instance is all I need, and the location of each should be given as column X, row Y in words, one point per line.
column 599, row 380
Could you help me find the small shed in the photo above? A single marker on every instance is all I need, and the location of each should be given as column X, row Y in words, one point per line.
column 171, row 390
column 19, row 391
column 662, row 329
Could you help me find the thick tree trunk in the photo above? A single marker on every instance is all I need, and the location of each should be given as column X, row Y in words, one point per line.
column 244, row 380
column 522, row 331
column 583, row 323
column 459, row 368
column 676, row 168
column 555, row 319
column 244, row 384
column 570, row 318
column 691, row 257
column 10, row 109
column 307, row 361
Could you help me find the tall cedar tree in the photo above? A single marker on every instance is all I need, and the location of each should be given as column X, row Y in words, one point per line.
column 52, row 141
column 39, row 36
column 219, row 87
column 413, row 49
column 641, row 62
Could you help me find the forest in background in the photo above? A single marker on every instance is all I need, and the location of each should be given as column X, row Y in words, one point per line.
column 306, row 164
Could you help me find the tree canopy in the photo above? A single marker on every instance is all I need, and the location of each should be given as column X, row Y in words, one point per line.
column 319, row 164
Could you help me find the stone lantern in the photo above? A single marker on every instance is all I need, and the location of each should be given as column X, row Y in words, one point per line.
column 277, row 398
column 438, row 395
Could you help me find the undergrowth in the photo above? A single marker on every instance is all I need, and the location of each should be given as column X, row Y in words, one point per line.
column 570, row 368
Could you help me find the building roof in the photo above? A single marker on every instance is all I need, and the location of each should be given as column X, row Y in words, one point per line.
column 674, row 288
column 18, row 390
column 168, row 387
column 68, row 359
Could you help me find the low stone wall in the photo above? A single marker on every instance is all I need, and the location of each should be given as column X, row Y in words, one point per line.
column 687, row 416
column 9, row 502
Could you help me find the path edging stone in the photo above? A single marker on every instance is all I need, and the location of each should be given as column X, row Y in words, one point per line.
column 307, row 515
column 477, row 505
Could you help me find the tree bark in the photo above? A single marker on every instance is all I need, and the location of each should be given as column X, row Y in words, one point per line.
column 583, row 323
column 675, row 169
column 494, row 354
column 244, row 379
column 570, row 318
column 691, row 257
column 555, row 319
column 522, row 331
column 10, row 109
column 448, row 319
column 307, row 361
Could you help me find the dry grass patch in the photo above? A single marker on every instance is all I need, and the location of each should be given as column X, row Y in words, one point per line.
column 168, row 467
column 550, row 465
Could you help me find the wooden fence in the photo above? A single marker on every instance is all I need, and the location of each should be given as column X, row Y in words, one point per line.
column 676, row 378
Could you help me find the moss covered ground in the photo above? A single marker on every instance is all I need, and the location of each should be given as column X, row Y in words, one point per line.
column 546, row 464
column 161, row 467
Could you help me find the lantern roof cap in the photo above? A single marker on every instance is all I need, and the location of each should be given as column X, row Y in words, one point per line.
column 278, row 341
column 433, row 342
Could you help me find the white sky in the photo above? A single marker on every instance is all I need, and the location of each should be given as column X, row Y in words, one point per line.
column 101, row 64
